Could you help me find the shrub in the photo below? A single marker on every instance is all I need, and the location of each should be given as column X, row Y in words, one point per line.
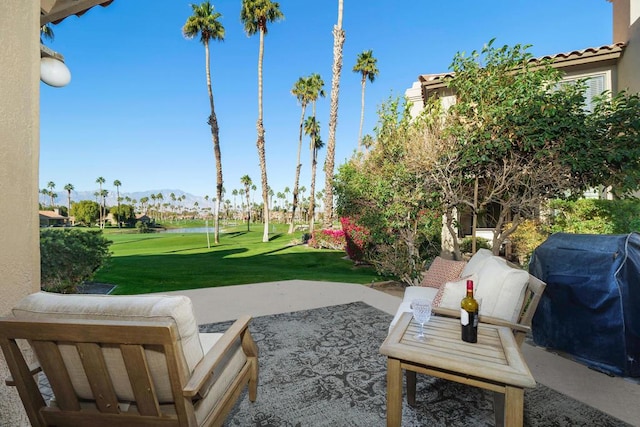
column 143, row 227
column 467, row 243
column 528, row 236
column 356, row 237
column 328, row 239
column 595, row 216
column 68, row 257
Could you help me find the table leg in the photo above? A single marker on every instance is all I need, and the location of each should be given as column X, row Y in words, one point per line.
column 411, row 387
column 394, row 393
column 514, row 407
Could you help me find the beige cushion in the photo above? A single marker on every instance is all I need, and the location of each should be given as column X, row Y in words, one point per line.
column 476, row 261
column 451, row 294
column 226, row 371
column 176, row 309
column 501, row 289
column 441, row 271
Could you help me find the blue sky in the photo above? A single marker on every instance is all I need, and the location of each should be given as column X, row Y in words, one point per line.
column 137, row 104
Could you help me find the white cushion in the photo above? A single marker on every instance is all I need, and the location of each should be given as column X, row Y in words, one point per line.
column 411, row 293
column 177, row 309
column 224, row 374
column 476, row 261
column 451, row 293
column 501, row 289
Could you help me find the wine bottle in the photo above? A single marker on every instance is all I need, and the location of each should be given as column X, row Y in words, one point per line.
column 469, row 315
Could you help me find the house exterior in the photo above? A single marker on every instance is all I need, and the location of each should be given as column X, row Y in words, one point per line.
column 52, row 219
column 614, row 67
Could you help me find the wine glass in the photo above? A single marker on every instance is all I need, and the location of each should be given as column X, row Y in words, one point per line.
column 421, row 313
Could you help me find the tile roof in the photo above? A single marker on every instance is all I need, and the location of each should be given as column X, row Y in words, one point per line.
column 560, row 60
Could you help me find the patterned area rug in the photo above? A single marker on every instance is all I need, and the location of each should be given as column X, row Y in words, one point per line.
column 322, row 367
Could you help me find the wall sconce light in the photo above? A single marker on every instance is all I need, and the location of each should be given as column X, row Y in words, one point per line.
column 53, row 70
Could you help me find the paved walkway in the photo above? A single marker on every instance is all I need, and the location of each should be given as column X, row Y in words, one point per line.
column 616, row 396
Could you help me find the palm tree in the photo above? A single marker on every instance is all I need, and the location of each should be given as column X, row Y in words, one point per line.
column 316, row 90
column 255, row 15
column 246, row 180
column 204, row 21
column 234, row 193
column 366, row 66
column 117, row 184
column 51, row 185
column 100, row 180
column 103, row 194
column 69, row 188
column 312, row 128
column 301, row 90
column 329, row 162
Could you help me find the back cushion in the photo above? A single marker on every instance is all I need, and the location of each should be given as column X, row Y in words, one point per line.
column 501, row 289
column 442, row 271
column 162, row 308
column 475, row 263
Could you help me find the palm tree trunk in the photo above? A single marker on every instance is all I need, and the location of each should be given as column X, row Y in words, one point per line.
column 260, row 144
column 329, row 164
column 298, row 167
column 215, row 132
column 364, row 82
column 312, row 197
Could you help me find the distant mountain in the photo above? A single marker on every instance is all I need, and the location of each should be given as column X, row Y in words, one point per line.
column 76, row 196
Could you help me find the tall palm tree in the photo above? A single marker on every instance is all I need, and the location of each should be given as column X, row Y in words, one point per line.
column 69, row 188
column 302, row 91
column 246, row 180
column 255, row 15
column 100, row 180
column 51, row 185
column 329, row 163
column 204, row 21
column 366, row 66
column 117, row 184
column 312, row 128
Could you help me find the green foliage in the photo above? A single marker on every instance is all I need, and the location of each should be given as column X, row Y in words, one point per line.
column 595, row 216
column 124, row 214
column 70, row 256
column 143, row 227
column 85, row 212
column 529, row 235
column 466, row 244
column 388, row 198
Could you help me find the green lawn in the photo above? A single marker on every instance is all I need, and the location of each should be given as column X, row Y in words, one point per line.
column 160, row 262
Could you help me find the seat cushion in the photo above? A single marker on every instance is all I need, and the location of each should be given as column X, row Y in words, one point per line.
column 442, row 271
column 177, row 309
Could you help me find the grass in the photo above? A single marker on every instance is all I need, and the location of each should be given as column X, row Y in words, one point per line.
column 143, row 263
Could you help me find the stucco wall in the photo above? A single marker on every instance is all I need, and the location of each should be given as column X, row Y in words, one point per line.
column 629, row 65
column 19, row 153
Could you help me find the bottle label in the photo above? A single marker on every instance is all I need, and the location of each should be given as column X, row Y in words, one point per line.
column 464, row 317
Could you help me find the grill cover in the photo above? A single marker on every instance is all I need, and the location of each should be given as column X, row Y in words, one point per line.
column 591, row 306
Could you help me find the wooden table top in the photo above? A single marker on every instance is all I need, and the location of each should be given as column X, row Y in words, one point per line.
column 495, row 357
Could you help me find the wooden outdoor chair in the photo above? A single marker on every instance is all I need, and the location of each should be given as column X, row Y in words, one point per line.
column 133, row 361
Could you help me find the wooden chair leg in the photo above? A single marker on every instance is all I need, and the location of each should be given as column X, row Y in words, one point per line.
column 411, row 387
column 498, row 408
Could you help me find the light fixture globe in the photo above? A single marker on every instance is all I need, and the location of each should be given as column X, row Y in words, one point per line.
column 54, row 72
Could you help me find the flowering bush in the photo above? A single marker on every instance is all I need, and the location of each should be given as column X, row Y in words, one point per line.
column 357, row 238
column 328, row 239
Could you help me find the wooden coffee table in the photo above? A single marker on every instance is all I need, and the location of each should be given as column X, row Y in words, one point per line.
column 494, row 363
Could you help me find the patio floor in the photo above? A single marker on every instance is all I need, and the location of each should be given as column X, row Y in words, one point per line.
column 616, row 396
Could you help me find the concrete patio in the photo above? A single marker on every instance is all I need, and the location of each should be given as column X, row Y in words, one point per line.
column 616, row 396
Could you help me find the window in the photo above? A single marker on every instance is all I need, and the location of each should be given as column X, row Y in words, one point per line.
column 595, row 87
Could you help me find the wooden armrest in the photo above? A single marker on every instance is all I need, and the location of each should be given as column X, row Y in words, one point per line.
column 204, row 370
column 34, row 368
column 447, row 312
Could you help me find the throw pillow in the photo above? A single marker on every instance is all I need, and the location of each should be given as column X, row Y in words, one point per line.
column 450, row 294
column 442, row 271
